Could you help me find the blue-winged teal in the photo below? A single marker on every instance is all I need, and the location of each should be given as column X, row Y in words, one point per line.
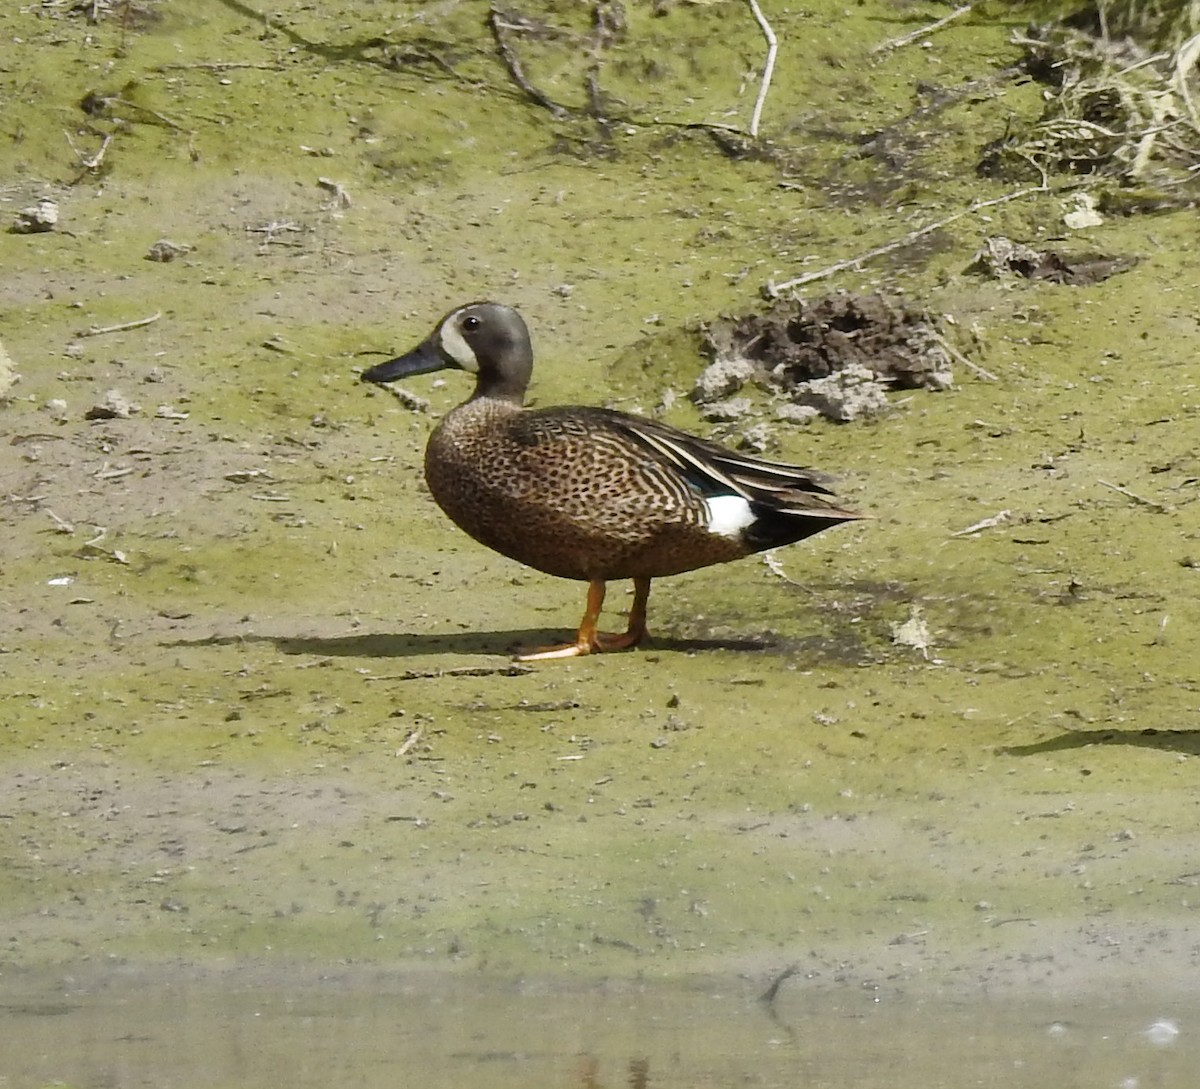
column 589, row 493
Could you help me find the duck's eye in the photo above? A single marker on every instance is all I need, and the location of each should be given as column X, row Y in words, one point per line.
column 470, row 322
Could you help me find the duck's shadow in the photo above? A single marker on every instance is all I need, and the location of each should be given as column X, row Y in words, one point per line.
column 505, row 643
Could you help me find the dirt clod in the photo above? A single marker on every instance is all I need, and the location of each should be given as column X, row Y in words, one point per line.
column 1001, row 257
column 838, row 354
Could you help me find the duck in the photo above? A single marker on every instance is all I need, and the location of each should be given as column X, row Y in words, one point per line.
column 593, row 494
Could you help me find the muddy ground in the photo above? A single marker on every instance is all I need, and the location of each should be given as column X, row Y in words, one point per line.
column 257, row 698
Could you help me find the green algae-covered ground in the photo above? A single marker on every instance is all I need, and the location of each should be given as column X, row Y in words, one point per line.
column 256, row 691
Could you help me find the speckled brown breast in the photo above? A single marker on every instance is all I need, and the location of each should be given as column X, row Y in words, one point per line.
column 563, row 493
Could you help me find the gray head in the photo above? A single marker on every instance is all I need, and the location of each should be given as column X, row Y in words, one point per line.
column 486, row 339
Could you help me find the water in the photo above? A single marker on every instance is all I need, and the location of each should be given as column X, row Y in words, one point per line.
column 296, row 1029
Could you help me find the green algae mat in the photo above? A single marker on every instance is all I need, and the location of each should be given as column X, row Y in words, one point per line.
column 256, row 695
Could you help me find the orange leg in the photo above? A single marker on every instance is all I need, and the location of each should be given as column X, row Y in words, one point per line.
column 635, row 632
column 591, row 641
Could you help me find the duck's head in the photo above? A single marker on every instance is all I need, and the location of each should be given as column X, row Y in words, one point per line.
column 486, row 339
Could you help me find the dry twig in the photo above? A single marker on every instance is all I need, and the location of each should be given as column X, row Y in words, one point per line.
column 513, row 63
column 1153, row 504
column 89, row 163
column 99, row 330
column 776, row 568
column 961, row 359
column 1003, row 518
column 410, row 741
column 408, row 399
column 921, row 32
column 60, row 524
column 768, row 65
column 221, row 66
column 773, row 290
column 772, row 992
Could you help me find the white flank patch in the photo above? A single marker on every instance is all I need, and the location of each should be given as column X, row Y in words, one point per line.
column 728, row 515
column 455, row 346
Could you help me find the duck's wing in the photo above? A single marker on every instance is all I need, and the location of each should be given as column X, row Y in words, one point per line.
column 715, row 470
column 706, row 468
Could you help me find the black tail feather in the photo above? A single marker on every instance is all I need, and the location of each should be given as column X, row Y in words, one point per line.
column 774, row 527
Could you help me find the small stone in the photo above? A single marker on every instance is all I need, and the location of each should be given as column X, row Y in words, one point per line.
column 797, row 414
column 913, row 632
column 724, row 411
column 722, row 378
column 57, row 408
column 755, row 438
column 36, row 219
column 1084, row 214
column 114, row 406
column 340, row 198
column 845, row 395
column 165, row 250
column 1000, row 256
column 8, row 372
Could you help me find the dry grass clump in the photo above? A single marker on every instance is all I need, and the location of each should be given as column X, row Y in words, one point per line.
column 1158, row 24
column 1123, row 101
